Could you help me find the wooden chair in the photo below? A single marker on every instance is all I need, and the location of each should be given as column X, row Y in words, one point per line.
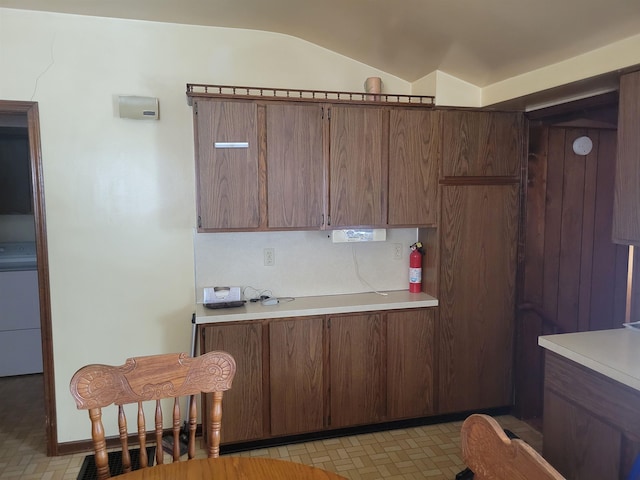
column 153, row 378
column 490, row 454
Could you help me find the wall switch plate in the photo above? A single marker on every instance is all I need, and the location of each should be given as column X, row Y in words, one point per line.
column 269, row 257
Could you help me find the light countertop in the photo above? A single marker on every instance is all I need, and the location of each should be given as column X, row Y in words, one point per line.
column 613, row 353
column 320, row 305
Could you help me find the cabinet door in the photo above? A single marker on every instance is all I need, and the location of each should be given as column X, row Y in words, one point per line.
column 357, row 167
column 356, row 370
column 410, row 363
column 227, row 165
column 626, row 214
column 479, row 233
column 242, row 405
column 296, row 356
column 578, row 444
column 482, row 143
column 295, row 167
column 414, row 160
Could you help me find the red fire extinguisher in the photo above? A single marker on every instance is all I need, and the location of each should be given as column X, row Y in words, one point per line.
column 415, row 268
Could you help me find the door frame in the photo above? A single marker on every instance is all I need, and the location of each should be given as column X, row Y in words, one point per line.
column 30, row 109
column 592, row 113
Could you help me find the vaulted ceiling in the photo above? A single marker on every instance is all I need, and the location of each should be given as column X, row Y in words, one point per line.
column 478, row 41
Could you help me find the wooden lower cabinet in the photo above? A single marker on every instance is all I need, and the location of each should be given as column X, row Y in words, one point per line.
column 579, row 444
column 310, row 374
column 410, row 363
column 356, row 370
column 242, row 406
column 296, row 375
column 381, row 366
column 591, row 423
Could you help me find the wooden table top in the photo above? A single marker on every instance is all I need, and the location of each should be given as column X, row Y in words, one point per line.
column 231, row 468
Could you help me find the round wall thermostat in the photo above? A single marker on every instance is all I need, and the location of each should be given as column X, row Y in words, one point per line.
column 582, row 145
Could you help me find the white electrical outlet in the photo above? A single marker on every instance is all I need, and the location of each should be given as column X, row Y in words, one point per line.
column 397, row 251
column 269, row 257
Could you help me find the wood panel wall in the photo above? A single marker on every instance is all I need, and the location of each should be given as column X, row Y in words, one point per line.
column 574, row 276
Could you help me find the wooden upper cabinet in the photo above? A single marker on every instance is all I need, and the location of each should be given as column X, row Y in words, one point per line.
column 295, row 166
column 482, row 144
column 626, row 214
column 414, row 161
column 357, row 167
column 227, row 165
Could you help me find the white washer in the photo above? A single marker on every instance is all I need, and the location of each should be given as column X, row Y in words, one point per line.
column 20, row 338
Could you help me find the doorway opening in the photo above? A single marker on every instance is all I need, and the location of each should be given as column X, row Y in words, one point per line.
column 572, row 276
column 26, row 113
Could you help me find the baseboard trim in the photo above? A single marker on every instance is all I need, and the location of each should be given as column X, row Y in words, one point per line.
column 358, row 430
column 68, row 448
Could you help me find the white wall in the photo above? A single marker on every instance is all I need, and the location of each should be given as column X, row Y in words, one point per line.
column 426, row 85
column 618, row 55
column 120, row 193
column 448, row 90
column 453, row 92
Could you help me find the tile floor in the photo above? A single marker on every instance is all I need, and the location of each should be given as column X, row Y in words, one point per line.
column 428, row 452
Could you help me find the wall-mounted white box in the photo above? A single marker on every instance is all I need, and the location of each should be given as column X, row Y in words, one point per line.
column 359, row 235
column 138, row 108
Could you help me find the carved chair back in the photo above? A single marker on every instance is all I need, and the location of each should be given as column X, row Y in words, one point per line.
column 152, row 379
column 490, row 454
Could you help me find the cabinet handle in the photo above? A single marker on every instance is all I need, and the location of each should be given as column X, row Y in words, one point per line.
column 231, row 144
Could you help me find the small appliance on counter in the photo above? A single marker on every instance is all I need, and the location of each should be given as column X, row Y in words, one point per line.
column 222, row 297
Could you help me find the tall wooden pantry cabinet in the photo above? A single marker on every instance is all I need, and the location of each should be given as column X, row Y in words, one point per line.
column 481, row 167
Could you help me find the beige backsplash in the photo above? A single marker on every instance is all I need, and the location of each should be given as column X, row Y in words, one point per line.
column 306, row 263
